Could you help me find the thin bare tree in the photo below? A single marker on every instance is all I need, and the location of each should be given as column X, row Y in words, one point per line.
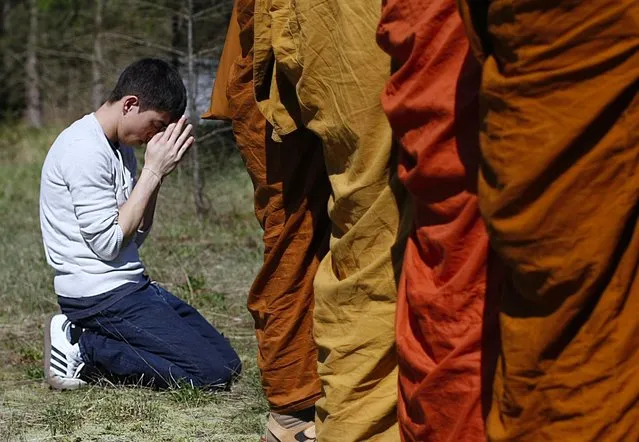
column 194, row 117
column 4, row 31
column 33, row 112
column 97, row 65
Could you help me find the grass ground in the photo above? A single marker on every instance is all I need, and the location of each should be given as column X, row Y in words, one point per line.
column 208, row 262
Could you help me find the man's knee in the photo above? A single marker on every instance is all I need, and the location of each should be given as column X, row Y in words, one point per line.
column 216, row 372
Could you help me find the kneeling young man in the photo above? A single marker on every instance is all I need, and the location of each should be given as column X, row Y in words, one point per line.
column 94, row 216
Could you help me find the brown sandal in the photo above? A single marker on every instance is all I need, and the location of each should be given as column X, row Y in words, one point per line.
column 276, row 433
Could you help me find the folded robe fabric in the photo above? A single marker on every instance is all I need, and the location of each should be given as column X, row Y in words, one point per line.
column 291, row 193
column 219, row 108
column 317, row 66
column 559, row 190
column 432, row 104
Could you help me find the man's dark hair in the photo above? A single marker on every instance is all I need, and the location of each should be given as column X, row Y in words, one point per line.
column 157, row 85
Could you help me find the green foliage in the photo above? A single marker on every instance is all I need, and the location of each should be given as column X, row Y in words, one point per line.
column 195, row 283
column 50, row 6
column 31, row 357
column 34, row 372
column 30, row 353
column 61, row 418
column 190, row 396
column 213, row 300
column 123, row 409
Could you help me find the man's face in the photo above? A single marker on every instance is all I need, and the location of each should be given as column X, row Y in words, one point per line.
column 137, row 127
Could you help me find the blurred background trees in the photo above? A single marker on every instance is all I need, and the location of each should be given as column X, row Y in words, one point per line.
column 60, row 58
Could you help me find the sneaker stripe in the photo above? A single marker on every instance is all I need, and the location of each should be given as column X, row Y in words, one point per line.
column 58, row 360
column 61, row 371
column 60, row 354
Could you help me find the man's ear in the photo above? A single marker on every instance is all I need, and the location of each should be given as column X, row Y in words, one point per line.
column 130, row 103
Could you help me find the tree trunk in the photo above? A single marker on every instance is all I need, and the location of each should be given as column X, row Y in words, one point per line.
column 175, row 60
column 175, row 38
column 97, row 65
column 4, row 32
column 194, row 118
column 33, row 113
column 4, row 74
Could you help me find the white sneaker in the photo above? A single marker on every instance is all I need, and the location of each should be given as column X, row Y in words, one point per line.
column 62, row 359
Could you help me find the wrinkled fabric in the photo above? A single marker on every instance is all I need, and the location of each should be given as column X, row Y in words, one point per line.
column 219, row 108
column 559, row 191
column 317, row 66
column 291, row 193
column 431, row 103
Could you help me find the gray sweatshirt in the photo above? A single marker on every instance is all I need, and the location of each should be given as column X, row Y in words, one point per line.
column 84, row 182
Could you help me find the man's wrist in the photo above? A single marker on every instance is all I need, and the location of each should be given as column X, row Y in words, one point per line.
column 153, row 173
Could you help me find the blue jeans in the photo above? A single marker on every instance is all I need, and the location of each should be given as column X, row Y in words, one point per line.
column 153, row 338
